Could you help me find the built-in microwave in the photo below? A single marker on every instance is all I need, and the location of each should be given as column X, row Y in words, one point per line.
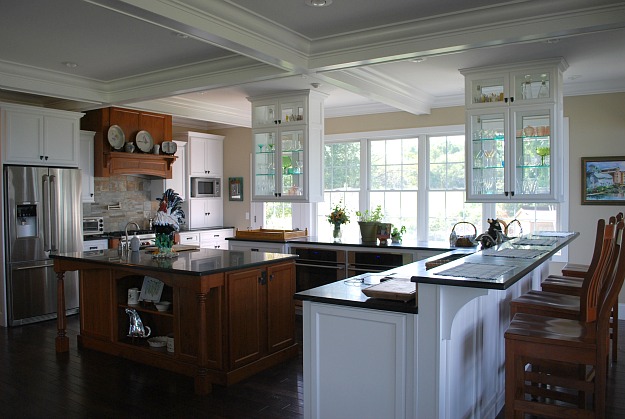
column 92, row 226
column 205, row 187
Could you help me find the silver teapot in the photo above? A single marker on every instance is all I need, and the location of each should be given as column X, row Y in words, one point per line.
column 137, row 329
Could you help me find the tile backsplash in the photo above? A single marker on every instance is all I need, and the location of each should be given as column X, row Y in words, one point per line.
column 132, row 193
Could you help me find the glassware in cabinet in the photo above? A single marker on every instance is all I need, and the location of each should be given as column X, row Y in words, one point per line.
column 292, row 162
column 533, row 86
column 533, row 148
column 264, row 163
column 488, row 154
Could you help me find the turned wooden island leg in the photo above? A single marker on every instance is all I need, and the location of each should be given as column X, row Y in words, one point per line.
column 203, row 385
column 62, row 341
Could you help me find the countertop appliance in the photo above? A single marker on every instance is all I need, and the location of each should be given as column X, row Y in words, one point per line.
column 92, row 226
column 42, row 215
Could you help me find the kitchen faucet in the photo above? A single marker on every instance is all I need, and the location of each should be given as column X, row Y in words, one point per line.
column 127, row 244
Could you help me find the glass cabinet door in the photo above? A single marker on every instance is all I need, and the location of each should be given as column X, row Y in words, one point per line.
column 487, row 162
column 488, row 89
column 265, row 114
column 292, row 111
column 292, row 160
column 264, row 164
column 532, row 86
column 532, row 152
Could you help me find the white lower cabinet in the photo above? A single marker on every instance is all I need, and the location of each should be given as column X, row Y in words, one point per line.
column 216, row 239
column 192, row 237
column 368, row 368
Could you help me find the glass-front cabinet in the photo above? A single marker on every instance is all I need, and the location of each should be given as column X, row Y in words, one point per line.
column 513, row 132
column 510, row 156
column 279, row 111
column 287, row 147
column 279, row 167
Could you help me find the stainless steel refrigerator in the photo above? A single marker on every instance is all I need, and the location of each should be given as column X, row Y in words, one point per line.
column 42, row 215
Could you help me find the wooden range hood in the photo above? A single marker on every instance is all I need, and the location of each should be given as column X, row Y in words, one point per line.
column 108, row 162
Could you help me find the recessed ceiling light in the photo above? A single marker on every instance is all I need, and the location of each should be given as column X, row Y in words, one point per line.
column 418, row 59
column 573, row 77
column 181, row 35
column 69, row 64
column 552, row 41
column 318, row 3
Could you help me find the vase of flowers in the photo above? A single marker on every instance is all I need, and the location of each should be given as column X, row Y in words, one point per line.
column 338, row 217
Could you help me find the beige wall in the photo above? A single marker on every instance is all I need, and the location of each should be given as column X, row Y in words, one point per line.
column 596, row 128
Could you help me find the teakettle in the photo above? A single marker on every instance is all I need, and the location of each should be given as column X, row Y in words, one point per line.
column 137, row 329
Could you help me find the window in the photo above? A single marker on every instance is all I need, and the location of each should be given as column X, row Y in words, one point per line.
column 446, row 189
column 394, row 180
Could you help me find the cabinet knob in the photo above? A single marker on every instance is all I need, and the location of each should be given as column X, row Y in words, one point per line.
column 505, row 99
column 511, row 99
column 506, row 193
column 46, row 157
column 40, row 157
column 512, row 193
column 91, row 195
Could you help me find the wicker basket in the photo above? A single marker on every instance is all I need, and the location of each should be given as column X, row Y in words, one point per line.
column 465, row 241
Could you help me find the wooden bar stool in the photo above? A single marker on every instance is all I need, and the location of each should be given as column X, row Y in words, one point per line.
column 572, row 285
column 542, row 351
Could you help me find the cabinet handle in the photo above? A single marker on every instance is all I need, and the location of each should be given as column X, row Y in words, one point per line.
column 512, row 193
column 506, row 193
column 40, row 157
column 271, row 277
column 254, row 250
column 46, row 157
column 505, row 100
column 91, row 195
column 511, row 99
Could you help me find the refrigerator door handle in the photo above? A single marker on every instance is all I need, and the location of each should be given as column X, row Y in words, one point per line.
column 46, row 213
column 54, row 219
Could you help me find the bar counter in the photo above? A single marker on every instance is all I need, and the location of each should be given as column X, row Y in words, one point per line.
column 438, row 356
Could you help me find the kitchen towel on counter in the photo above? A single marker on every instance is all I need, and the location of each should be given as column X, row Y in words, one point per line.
column 513, row 253
column 476, row 270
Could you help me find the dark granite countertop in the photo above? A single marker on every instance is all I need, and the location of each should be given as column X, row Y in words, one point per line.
column 348, row 292
column 357, row 242
column 197, row 262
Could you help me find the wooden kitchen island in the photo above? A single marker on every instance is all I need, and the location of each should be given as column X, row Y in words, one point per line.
column 231, row 315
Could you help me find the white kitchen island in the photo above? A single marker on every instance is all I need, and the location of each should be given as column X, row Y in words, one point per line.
column 442, row 357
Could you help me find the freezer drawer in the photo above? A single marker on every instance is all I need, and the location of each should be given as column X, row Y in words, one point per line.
column 32, row 293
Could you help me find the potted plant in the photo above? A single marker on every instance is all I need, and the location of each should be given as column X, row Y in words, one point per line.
column 397, row 233
column 368, row 222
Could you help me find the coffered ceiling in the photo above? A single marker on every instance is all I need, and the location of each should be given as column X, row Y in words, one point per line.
column 200, row 59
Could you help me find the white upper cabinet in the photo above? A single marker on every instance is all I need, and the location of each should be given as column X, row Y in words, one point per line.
column 287, row 147
column 206, row 155
column 39, row 136
column 514, row 136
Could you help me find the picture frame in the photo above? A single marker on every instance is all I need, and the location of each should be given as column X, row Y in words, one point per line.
column 603, row 180
column 235, row 189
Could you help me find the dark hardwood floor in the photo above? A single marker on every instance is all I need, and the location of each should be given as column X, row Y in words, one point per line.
column 36, row 383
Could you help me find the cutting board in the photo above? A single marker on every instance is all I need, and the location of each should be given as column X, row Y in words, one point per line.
column 393, row 289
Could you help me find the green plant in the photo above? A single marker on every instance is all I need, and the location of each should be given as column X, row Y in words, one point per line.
column 397, row 233
column 370, row 216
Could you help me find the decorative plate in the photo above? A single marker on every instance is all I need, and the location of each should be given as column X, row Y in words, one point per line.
column 169, row 147
column 144, row 141
column 116, row 137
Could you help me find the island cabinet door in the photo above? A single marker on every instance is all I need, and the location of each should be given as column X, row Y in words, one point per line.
column 280, row 306
column 246, row 302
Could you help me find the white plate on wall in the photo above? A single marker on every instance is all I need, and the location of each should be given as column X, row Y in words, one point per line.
column 116, row 137
column 144, row 141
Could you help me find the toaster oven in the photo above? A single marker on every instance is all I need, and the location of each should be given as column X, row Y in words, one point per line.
column 92, row 226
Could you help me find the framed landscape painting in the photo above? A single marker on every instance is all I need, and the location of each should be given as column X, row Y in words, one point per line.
column 603, row 180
